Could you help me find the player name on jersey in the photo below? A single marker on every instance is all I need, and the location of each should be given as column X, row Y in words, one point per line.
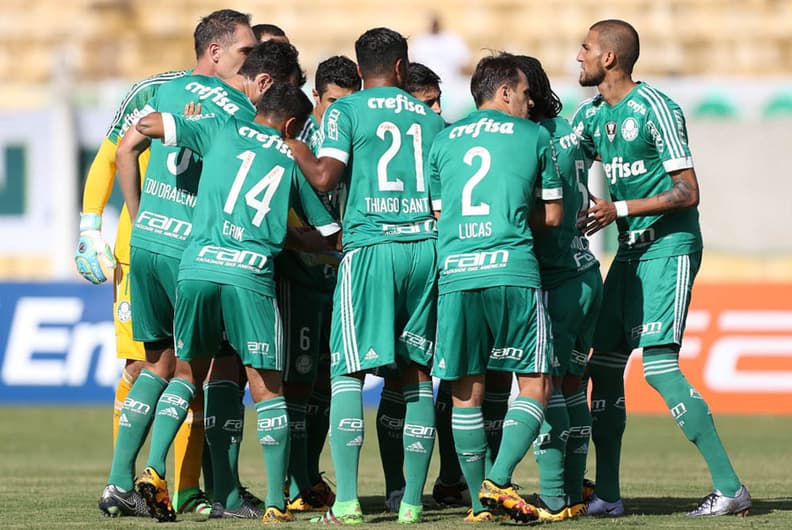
column 396, row 205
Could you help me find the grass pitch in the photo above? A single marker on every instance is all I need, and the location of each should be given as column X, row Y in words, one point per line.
column 54, row 462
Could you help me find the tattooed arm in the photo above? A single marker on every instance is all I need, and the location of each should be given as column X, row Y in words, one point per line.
column 684, row 193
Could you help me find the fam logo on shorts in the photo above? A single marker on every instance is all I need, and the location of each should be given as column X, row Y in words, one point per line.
column 124, row 311
column 258, row 348
column 629, row 129
column 645, row 329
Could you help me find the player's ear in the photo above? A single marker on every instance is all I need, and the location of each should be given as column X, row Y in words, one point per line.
column 290, row 128
column 609, row 59
column 263, row 81
column 213, row 51
column 505, row 93
column 400, row 71
column 315, row 94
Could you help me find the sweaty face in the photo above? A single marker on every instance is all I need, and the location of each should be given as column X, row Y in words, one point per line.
column 331, row 93
column 430, row 96
column 592, row 73
column 520, row 102
column 233, row 54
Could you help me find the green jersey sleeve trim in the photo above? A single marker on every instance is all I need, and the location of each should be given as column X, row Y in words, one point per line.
column 337, row 154
column 169, row 128
column 437, row 205
column 552, row 194
column 328, row 230
column 678, row 163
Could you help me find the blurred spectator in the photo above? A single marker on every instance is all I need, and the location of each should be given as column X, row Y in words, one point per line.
column 445, row 52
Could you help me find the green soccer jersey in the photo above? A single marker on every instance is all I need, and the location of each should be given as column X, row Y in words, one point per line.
column 640, row 140
column 382, row 136
column 132, row 106
column 248, row 181
column 563, row 251
column 483, row 172
column 167, row 198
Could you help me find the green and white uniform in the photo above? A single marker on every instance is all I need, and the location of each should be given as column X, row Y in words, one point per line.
column 640, row 141
column 483, row 172
column 570, row 273
column 226, row 273
column 382, row 136
column 167, row 200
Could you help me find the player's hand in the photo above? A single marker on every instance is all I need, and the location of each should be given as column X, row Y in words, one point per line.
column 192, row 108
column 93, row 257
column 597, row 217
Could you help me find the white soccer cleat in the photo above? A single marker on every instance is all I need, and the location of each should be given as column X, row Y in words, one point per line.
column 597, row 506
column 716, row 503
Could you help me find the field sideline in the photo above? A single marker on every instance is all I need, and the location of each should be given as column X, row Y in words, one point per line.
column 54, row 462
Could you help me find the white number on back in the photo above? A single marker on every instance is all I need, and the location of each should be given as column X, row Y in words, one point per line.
column 266, row 186
column 468, row 208
column 383, row 183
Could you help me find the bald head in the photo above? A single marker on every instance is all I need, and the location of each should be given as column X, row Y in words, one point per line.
column 621, row 38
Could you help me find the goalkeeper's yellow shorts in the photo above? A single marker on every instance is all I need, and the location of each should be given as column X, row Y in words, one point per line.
column 126, row 347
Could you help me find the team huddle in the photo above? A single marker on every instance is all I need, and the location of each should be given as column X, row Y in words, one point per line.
column 293, row 248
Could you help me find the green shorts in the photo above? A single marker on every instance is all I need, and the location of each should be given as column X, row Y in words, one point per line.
column 251, row 322
column 384, row 307
column 573, row 307
column 305, row 313
column 152, row 281
column 498, row 328
column 645, row 303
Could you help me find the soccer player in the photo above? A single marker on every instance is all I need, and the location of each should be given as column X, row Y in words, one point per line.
column 374, row 142
column 305, row 278
column 265, row 32
column 422, row 83
column 639, row 134
column 483, row 171
column 226, row 282
column 572, row 287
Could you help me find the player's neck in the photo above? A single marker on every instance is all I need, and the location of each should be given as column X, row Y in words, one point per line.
column 380, row 81
column 615, row 87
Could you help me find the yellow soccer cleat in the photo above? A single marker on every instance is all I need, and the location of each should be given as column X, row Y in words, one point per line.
column 274, row 515
column 484, row 516
column 507, row 500
column 154, row 490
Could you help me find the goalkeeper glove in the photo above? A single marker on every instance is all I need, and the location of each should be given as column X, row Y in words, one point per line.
column 94, row 257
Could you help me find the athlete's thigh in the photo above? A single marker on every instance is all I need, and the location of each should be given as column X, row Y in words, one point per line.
column 198, row 319
column 301, row 310
column 609, row 333
column 419, row 309
column 253, row 327
column 126, row 347
column 464, row 341
column 152, row 294
column 659, row 314
column 521, row 330
column 363, row 334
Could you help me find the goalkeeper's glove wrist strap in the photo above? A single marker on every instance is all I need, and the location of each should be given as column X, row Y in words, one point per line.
column 90, row 221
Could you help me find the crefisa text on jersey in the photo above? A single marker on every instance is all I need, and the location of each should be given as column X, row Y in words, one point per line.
column 484, row 124
column 218, row 94
column 397, row 104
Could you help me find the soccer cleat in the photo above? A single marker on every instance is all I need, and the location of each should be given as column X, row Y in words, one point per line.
column 192, row 500
column 455, row 494
column 307, row 501
column 597, row 506
column 484, row 516
column 249, row 498
column 347, row 512
column 545, row 513
column 716, row 503
column 154, row 490
column 393, row 500
column 116, row 502
column 323, row 491
column 274, row 515
column 588, row 489
column 410, row 513
column 576, row 510
column 246, row 510
column 507, row 500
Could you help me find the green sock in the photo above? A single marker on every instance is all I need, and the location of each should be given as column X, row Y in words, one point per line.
column 577, row 445
column 222, row 427
column 346, row 434
column 692, row 415
column 172, row 408
column 608, row 419
column 298, row 470
column 206, row 465
column 467, row 424
column 236, row 441
column 317, row 423
column 496, row 403
column 419, row 434
column 273, row 435
column 549, row 451
column 133, row 426
column 450, row 472
column 390, row 427
column 520, row 428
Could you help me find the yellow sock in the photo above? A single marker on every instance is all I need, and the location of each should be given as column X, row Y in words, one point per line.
column 188, row 447
column 124, row 384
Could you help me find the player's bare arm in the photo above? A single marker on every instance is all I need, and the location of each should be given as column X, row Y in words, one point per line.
column 129, row 149
column 684, row 193
column 322, row 173
column 547, row 214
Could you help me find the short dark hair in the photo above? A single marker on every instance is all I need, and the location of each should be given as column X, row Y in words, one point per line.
column 339, row 70
column 492, row 72
column 276, row 58
column 620, row 37
column 420, row 77
column 546, row 102
column 283, row 101
column 218, row 26
column 267, row 29
column 378, row 49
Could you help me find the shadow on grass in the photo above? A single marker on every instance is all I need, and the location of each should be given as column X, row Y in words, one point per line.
column 677, row 505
